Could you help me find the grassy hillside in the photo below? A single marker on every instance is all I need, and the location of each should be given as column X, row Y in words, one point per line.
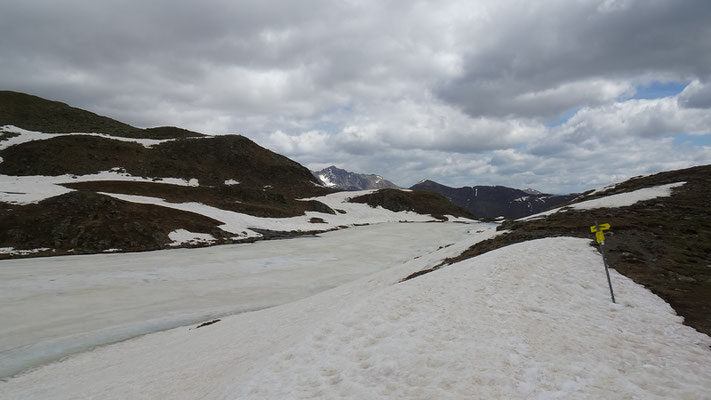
column 663, row 243
column 421, row 202
column 211, row 160
column 38, row 114
column 85, row 222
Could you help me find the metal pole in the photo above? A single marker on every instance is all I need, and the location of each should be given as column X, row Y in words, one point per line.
column 607, row 271
column 604, row 261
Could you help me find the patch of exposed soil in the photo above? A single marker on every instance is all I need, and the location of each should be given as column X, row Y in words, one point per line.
column 7, row 135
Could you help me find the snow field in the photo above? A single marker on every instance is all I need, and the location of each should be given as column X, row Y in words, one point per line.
column 181, row 236
column 191, row 363
column 529, row 321
column 240, row 224
column 616, row 200
column 55, row 306
column 35, row 188
column 30, row 136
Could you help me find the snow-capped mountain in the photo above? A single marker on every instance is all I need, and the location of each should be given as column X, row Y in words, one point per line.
column 337, row 178
column 532, row 191
column 496, row 201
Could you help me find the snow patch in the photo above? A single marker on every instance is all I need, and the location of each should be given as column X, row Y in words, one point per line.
column 30, row 136
column 240, row 224
column 35, row 188
column 327, row 182
column 629, row 198
column 616, row 200
column 11, row 251
column 183, row 236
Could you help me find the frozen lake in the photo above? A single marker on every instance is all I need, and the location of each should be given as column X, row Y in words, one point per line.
column 53, row 307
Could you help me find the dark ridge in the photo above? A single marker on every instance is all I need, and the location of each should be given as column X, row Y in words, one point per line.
column 170, row 132
column 38, row 114
column 421, row 202
column 496, row 201
column 82, row 222
column 239, row 198
column 211, row 160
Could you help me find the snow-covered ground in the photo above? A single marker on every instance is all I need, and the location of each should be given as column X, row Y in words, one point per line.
column 528, row 321
column 240, row 224
column 51, row 307
column 616, row 200
column 35, row 188
column 329, row 318
column 30, row 136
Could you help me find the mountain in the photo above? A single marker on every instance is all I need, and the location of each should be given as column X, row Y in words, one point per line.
column 660, row 235
column 421, row 202
column 496, row 201
column 42, row 115
column 337, row 178
column 74, row 182
column 532, row 191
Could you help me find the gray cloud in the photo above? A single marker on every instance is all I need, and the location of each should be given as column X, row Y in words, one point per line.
column 459, row 91
column 545, row 58
column 696, row 95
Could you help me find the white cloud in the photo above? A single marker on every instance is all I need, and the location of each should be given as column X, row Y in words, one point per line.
column 453, row 90
column 696, row 95
column 640, row 118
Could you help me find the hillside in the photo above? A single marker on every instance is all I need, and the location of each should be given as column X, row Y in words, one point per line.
column 663, row 243
column 496, row 201
column 73, row 182
column 421, row 202
column 41, row 115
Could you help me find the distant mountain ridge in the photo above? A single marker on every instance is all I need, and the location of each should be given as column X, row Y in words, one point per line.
column 497, row 201
column 336, row 178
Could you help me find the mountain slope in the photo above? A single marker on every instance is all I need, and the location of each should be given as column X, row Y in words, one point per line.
column 496, row 201
column 337, row 178
column 229, row 171
column 663, row 243
column 87, row 184
column 421, row 202
column 38, row 114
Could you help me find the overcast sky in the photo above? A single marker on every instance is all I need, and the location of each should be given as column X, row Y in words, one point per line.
column 559, row 95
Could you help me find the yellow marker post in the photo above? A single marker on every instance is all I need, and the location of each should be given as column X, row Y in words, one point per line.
column 598, row 229
column 600, row 237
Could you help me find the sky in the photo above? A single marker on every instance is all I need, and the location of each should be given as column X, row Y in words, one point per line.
column 558, row 95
